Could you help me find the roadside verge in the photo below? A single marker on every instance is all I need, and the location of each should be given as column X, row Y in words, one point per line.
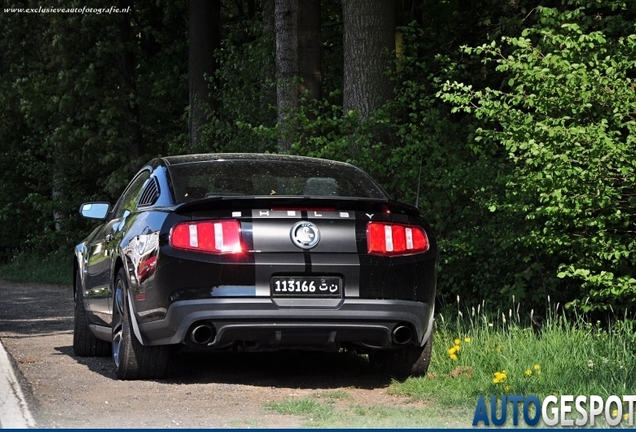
column 14, row 411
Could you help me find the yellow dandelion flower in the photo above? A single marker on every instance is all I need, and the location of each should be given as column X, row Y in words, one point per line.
column 452, row 351
column 499, row 377
column 528, row 372
column 614, row 413
column 467, row 339
column 457, row 348
column 457, row 341
column 453, row 357
column 537, row 367
column 626, row 416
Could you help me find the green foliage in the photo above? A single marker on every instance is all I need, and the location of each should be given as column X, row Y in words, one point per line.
column 565, row 118
column 528, row 181
column 245, row 90
column 477, row 257
column 66, row 123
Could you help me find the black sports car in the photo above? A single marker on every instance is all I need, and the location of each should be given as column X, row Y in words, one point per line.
column 254, row 252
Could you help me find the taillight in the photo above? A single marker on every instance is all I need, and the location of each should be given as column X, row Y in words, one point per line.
column 384, row 238
column 220, row 236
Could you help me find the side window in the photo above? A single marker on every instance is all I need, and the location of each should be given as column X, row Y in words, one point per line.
column 149, row 194
column 128, row 201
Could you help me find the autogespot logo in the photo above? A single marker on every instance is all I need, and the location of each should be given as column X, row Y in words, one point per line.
column 564, row 410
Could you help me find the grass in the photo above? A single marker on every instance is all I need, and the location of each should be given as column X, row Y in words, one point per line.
column 318, row 413
column 313, row 411
column 477, row 353
column 55, row 268
column 480, row 354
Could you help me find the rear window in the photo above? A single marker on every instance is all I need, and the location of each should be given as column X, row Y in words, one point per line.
column 192, row 181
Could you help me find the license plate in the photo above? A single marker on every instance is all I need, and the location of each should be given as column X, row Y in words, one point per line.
column 306, row 286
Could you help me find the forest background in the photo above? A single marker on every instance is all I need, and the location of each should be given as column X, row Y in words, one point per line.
column 516, row 117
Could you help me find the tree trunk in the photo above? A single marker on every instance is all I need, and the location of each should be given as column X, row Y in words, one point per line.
column 309, row 49
column 57, row 195
column 368, row 44
column 268, row 76
column 268, row 17
column 128, row 83
column 204, row 36
column 286, row 24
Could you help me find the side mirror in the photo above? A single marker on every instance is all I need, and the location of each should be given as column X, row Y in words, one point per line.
column 95, row 210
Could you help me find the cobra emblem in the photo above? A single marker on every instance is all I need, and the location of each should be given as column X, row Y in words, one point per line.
column 305, row 235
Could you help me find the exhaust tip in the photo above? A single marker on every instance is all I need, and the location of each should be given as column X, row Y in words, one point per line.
column 402, row 334
column 202, row 334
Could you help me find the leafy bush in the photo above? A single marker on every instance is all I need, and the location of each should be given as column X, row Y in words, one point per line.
column 566, row 120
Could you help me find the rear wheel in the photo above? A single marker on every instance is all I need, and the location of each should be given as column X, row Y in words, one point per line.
column 132, row 359
column 404, row 362
column 85, row 344
column 420, row 367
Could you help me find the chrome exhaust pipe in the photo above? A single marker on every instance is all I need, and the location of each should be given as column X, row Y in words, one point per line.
column 402, row 334
column 202, row 334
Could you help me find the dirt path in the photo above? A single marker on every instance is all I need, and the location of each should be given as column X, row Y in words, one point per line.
column 200, row 391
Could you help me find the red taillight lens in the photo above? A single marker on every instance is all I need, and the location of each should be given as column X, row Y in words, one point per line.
column 384, row 238
column 222, row 236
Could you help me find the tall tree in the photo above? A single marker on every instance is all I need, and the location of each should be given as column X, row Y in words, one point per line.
column 269, row 34
column 128, row 82
column 286, row 25
column 368, row 44
column 204, row 38
column 309, row 49
column 298, row 59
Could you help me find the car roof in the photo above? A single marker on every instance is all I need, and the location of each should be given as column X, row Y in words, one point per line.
column 207, row 157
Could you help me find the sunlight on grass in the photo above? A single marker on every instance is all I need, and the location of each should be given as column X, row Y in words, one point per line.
column 335, row 394
column 308, row 408
column 496, row 354
column 317, row 414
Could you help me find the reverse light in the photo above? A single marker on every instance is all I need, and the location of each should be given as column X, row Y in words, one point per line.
column 385, row 238
column 219, row 237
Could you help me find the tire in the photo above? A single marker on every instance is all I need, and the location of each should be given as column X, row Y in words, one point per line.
column 132, row 359
column 404, row 362
column 85, row 344
column 420, row 367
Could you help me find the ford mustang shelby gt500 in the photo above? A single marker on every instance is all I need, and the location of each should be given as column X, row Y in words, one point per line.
column 254, row 252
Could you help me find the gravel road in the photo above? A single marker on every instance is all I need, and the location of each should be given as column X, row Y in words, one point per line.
column 221, row 390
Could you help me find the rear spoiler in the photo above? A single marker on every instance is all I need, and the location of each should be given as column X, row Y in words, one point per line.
column 263, row 202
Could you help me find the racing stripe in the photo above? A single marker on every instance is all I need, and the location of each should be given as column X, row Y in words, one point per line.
column 306, row 253
column 276, row 254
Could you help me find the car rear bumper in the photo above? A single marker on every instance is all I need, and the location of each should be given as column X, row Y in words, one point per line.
column 293, row 323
